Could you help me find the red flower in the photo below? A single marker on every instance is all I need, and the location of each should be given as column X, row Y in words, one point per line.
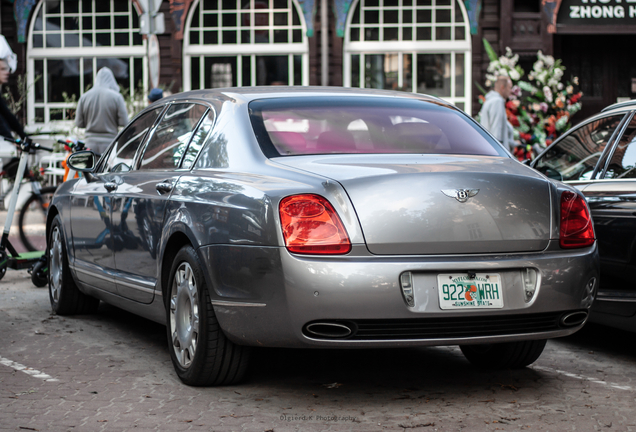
column 548, row 142
column 574, row 99
column 512, row 118
column 525, row 136
column 482, row 98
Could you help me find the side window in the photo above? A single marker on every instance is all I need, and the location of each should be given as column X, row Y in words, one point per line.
column 169, row 142
column 576, row 155
column 198, row 140
column 121, row 155
column 622, row 165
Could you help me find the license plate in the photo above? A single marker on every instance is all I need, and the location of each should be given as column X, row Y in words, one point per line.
column 458, row 291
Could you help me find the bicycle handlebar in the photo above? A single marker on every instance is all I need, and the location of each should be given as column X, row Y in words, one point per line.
column 29, row 146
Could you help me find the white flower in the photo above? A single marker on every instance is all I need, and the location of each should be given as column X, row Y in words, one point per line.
column 548, row 60
column 575, row 80
column 560, row 86
column 558, row 73
column 514, row 75
column 569, row 89
column 538, row 66
column 503, row 72
column 547, row 93
column 488, row 83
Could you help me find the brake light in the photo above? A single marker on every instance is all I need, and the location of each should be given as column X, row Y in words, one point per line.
column 312, row 226
column 576, row 224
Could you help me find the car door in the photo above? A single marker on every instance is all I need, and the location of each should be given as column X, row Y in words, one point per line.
column 577, row 156
column 141, row 196
column 91, row 208
column 612, row 200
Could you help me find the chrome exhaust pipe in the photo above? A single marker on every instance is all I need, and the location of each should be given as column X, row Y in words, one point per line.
column 328, row 330
column 573, row 319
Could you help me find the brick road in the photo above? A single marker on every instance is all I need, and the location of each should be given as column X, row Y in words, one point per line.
column 112, row 371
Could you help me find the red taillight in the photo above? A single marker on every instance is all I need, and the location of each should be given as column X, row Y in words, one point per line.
column 311, row 226
column 576, row 224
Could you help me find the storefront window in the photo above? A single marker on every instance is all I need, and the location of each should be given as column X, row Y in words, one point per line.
column 69, row 41
column 420, row 46
column 245, row 43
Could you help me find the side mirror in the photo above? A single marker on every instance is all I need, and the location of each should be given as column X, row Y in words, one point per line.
column 82, row 161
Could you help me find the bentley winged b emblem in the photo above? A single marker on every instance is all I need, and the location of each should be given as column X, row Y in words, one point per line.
column 460, row 195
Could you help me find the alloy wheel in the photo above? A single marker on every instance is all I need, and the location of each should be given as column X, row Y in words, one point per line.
column 55, row 264
column 184, row 315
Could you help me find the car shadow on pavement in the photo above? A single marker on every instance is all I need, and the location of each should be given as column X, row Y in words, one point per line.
column 401, row 372
column 600, row 338
column 318, row 371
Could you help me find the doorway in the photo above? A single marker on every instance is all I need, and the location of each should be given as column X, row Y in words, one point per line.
column 604, row 68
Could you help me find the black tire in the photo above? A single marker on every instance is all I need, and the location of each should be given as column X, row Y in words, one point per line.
column 4, row 263
column 32, row 219
column 509, row 355
column 66, row 298
column 209, row 357
column 40, row 274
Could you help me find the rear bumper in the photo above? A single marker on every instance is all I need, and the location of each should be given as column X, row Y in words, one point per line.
column 266, row 296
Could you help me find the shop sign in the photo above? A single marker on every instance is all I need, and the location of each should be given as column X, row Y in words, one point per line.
column 596, row 12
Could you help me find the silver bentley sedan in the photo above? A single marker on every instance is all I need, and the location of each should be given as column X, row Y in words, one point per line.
column 321, row 218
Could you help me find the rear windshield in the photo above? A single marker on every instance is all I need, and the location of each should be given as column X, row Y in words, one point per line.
column 344, row 125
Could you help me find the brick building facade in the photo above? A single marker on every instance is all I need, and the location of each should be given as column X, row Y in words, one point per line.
column 427, row 46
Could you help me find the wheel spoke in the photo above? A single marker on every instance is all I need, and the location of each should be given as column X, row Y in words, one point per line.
column 175, row 339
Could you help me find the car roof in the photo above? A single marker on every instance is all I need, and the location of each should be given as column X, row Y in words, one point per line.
column 247, row 94
column 625, row 104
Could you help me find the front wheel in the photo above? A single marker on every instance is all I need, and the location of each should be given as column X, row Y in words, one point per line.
column 508, row 355
column 200, row 352
column 32, row 219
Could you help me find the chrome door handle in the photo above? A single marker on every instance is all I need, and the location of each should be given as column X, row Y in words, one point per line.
column 164, row 187
column 110, row 186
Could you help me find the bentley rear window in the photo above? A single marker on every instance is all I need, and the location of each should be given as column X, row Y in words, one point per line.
column 321, row 125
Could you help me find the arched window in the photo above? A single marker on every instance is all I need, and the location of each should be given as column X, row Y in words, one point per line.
column 69, row 41
column 419, row 46
column 245, row 43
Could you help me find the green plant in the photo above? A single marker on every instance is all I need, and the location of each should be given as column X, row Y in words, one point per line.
column 16, row 105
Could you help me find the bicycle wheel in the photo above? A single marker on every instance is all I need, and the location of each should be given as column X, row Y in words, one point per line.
column 32, row 220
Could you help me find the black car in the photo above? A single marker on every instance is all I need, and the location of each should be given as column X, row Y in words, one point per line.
column 598, row 157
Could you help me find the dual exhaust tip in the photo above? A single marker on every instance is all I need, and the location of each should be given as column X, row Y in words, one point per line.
column 573, row 319
column 331, row 330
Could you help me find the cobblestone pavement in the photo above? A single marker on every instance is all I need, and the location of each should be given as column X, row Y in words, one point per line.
column 112, row 371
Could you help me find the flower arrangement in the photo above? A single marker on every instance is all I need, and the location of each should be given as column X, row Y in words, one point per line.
column 540, row 107
column 504, row 65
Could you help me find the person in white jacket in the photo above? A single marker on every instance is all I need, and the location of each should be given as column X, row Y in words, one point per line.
column 101, row 110
column 493, row 113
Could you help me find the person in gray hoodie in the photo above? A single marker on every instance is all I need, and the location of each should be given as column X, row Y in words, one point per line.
column 101, row 110
column 493, row 113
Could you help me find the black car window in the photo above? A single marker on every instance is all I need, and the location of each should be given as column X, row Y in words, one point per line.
column 170, row 139
column 122, row 153
column 623, row 161
column 575, row 156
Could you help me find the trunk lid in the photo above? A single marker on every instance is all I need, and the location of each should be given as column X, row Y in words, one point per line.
column 408, row 204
